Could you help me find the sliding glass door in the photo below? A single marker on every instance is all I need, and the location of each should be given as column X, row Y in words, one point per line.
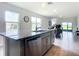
column 67, row 26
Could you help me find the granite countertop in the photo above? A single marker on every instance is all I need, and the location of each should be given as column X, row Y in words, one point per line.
column 24, row 35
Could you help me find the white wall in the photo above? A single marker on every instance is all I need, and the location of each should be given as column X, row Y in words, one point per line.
column 45, row 24
column 25, row 27
column 2, row 22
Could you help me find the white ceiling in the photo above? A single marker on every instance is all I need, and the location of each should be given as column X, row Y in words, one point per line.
column 65, row 9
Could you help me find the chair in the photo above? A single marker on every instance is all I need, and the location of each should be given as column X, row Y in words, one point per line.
column 58, row 31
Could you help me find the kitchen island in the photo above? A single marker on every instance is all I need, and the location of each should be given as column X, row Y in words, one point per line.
column 28, row 44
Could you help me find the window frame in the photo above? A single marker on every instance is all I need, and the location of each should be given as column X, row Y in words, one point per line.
column 36, row 23
column 15, row 22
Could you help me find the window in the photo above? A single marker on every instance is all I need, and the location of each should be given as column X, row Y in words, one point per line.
column 53, row 21
column 12, row 20
column 67, row 26
column 64, row 25
column 36, row 23
column 33, row 19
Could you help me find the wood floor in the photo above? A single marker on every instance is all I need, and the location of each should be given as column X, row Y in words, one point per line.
column 68, row 45
column 57, row 51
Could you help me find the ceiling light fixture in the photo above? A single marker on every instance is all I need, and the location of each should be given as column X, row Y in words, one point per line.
column 43, row 4
column 49, row 3
column 46, row 3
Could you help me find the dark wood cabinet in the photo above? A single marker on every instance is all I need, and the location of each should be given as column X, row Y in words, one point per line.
column 48, row 42
column 38, row 46
column 43, row 42
column 35, row 44
column 52, row 37
column 34, row 47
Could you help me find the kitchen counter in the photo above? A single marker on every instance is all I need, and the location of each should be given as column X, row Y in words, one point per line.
column 22, row 35
column 28, row 44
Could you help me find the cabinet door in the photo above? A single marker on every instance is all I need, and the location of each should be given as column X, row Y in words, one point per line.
column 34, row 47
column 39, row 46
column 52, row 37
column 48, row 42
column 43, row 43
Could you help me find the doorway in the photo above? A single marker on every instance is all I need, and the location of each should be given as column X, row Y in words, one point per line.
column 67, row 26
